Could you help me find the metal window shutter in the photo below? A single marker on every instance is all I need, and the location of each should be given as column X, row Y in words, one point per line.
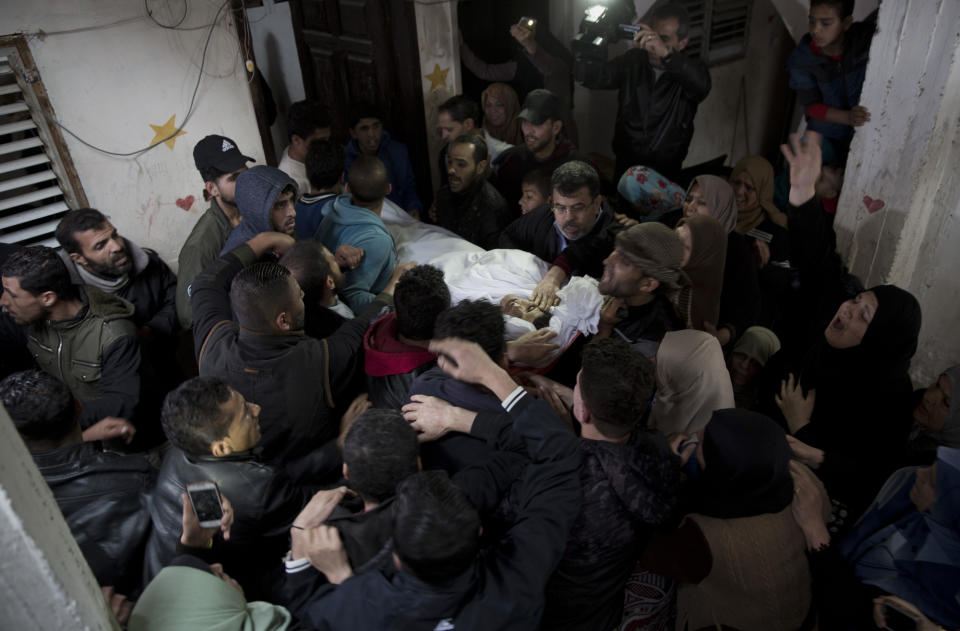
column 32, row 199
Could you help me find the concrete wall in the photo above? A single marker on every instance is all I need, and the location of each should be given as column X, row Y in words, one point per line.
column 899, row 214
column 110, row 83
column 45, row 582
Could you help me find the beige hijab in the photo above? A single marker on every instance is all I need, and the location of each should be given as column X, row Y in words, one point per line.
column 721, row 202
column 761, row 172
column 692, row 382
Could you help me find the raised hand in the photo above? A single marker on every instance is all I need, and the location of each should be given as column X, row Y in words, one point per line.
column 805, row 160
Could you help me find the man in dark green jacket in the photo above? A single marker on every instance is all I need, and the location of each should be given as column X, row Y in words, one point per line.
column 220, row 162
column 79, row 334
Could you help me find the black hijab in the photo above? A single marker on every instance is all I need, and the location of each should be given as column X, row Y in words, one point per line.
column 881, row 360
column 747, row 468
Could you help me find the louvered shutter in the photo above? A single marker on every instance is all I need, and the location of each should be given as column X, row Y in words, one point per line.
column 35, row 189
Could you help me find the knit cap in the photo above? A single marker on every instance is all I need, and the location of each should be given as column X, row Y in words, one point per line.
column 655, row 249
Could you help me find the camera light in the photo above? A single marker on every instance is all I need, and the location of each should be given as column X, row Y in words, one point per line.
column 594, row 13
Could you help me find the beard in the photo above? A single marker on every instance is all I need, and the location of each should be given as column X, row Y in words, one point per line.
column 111, row 269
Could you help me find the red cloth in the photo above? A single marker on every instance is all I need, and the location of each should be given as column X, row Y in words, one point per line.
column 830, row 204
column 818, row 111
column 385, row 355
column 816, row 51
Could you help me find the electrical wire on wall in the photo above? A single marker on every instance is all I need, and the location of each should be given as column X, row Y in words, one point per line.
column 193, row 97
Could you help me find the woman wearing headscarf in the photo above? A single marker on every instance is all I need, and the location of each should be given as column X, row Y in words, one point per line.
column 765, row 227
column 752, row 182
column 190, row 595
column 500, row 108
column 749, row 357
column 739, row 555
column 740, row 298
column 936, row 417
column 692, row 382
column 841, row 382
column 540, row 61
column 704, row 256
column 906, row 547
column 647, row 195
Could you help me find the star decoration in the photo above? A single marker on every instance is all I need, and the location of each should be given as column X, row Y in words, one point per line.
column 438, row 78
column 165, row 130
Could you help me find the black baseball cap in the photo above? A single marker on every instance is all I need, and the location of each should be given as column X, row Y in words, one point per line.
column 539, row 106
column 216, row 155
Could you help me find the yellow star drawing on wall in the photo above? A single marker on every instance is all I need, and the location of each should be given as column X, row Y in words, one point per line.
column 438, row 78
column 165, row 130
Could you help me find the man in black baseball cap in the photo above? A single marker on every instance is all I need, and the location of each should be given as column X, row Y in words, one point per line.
column 543, row 148
column 220, row 162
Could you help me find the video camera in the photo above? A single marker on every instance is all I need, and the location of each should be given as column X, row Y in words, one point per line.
column 602, row 25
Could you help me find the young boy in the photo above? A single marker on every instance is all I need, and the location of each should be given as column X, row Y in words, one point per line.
column 535, row 190
column 828, row 66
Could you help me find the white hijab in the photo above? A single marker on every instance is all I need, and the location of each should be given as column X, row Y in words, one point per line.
column 692, row 382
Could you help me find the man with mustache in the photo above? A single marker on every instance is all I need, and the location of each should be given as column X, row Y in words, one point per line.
column 95, row 254
column 544, row 146
column 266, row 197
column 576, row 213
column 468, row 204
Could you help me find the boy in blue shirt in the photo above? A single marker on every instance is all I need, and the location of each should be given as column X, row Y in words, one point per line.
column 828, row 66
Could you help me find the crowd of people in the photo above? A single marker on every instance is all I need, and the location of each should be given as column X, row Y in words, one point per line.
column 730, row 439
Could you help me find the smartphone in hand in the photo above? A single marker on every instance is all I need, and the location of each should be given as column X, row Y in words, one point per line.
column 205, row 499
column 899, row 619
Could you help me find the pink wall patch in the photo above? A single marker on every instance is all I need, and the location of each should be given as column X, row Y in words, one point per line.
column 873, row 205
column 187, row 202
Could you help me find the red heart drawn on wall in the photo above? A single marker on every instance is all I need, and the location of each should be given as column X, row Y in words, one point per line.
column 873, row 205
column 187, row 202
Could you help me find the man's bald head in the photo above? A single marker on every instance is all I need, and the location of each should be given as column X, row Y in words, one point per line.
column 369, row 181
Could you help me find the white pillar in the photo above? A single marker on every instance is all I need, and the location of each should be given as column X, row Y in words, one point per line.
column 439, row 67
column 45, row 582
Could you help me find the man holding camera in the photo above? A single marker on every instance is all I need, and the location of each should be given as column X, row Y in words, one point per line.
column 660, row 89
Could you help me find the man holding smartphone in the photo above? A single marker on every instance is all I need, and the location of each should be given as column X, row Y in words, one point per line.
column 659, row 90
column 213, row 431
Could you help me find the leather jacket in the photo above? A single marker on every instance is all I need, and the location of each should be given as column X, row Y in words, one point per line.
column 264, row 505
column 655, row 116
column 103, row 497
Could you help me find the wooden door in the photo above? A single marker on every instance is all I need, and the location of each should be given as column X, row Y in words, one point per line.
column 354, row 51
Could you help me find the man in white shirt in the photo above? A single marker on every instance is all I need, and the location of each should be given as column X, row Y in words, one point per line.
column 306, row 121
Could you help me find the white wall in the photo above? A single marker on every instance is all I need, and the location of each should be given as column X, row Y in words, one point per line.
column 44, row 579
column 109, row 84
column 907, row 157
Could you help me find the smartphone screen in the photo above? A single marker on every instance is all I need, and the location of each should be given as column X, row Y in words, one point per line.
column 898, row 620
column 206, row 503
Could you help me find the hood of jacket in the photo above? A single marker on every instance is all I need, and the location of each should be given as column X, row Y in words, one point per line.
column 385, row 355
column 137, row 254
column 642, row 475
column 257, row 190
column 107, row 306
column 345, row 213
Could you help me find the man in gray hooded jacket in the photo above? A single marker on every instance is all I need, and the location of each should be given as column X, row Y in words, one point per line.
column 266, row 197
